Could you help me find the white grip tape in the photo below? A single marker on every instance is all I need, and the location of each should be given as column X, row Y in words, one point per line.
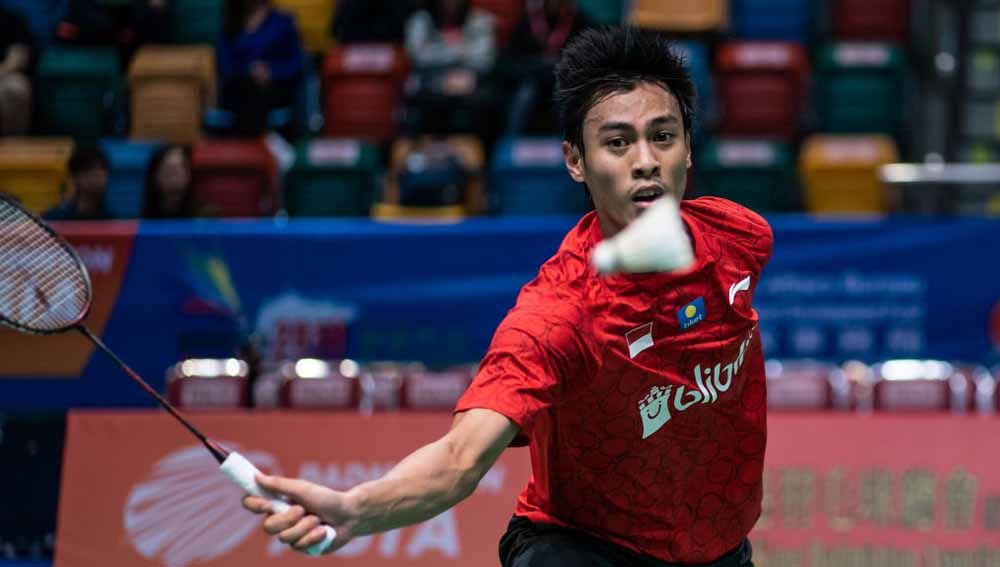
column 242, row 472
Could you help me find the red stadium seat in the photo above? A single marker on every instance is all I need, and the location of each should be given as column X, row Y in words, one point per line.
column 803, row 385
column 876, row 20
column 435, row 390
column 761, row 87
column 362, row 88
column 921, row 385
column 382, row 385
column 208, row 383
column 233, row 178
column 507, row 14
column 309, row 383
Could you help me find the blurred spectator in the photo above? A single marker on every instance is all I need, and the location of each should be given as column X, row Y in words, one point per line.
column 85, row 188
column 126, row 24
column 261, row 63
column 535, row 44
column 15, row 64
column 168, row 192
column 453, row 47
column 371, row 21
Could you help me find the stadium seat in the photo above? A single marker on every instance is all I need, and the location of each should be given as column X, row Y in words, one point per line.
column 775, row 20
column 859, row 87
column 680, row 15
column 506, row 12
column 870, row 20
column 805, row 385
column 761, row 86
column 382, row 385
column 699, row 65
column 127, row 176
column 603, row 12
column 198, row 21
column 331, row 178
column 33, row 170
column 75, row 91
column 362, row 88
column 209, row 383
column 40, row 16
column 758, row 174
column 839, row 173
column 313, row 18
column 393, row 204
column 921, row 385
column 170, row 87
column 528, row 176
column 314, row 384
column 233, row 178
column 440, row 390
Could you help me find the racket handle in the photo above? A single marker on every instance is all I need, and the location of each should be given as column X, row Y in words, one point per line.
column 242, row 472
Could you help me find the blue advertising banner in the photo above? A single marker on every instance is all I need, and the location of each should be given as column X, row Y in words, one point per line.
column 837, row 290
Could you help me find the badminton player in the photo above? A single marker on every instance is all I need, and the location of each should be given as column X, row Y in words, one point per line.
column 641, row 396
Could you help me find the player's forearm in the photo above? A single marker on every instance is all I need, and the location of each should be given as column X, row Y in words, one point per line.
column 427, row 482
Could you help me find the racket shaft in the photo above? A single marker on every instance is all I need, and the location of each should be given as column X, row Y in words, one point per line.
column 242, row 472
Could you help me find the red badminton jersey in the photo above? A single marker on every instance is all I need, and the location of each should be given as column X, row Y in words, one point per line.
column 642, row 396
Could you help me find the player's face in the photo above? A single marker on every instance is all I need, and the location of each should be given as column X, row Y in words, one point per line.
column 636, row 151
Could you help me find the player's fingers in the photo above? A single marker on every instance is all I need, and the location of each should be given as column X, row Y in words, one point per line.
column 292, row 487
column 311, row 538
column 257, row 505
column 299, row 530
column 277, row 523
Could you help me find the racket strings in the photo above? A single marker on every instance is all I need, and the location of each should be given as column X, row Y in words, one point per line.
column 42, row 286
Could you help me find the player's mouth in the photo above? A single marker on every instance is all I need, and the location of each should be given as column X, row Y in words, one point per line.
column 646, row 195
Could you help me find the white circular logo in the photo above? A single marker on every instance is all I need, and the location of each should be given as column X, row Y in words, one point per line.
column 187, row 510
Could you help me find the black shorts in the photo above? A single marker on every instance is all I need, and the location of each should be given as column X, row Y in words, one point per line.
column 527, row 544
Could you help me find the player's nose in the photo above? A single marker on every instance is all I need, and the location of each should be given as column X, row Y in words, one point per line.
column 645, row 165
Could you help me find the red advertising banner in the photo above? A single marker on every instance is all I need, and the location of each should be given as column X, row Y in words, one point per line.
column 841, row 490
column 137, row 491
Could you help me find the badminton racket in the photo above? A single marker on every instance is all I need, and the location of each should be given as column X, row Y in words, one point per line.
column 45, row 289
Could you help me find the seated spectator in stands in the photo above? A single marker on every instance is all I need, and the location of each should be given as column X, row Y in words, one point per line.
column 535, row 44
column 85, row 188
column 126, row 24
column 261, row 63
column 452, row 46
column 371, row 21
column 15, row 69
column 168, row 184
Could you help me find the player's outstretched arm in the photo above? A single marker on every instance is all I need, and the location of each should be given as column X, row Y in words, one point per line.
column 427, row 482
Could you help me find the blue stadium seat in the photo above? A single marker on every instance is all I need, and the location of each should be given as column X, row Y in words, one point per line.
column 41, row 16
column 778, row 20
column 528, row 176
column 127, row 179
column 697, row 57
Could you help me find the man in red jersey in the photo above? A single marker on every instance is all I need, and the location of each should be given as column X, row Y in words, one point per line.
column 641, row 396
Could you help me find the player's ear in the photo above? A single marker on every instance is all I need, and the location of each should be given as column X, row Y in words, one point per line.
column 574, row 161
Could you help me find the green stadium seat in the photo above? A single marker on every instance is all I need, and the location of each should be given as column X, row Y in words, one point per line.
column 758, row 174
column 197, row 21
column 332, row 177
column 603, row 12
column 76, row 88
column 859, row 87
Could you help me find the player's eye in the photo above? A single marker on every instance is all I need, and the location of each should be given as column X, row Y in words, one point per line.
column 617, row 143
column 663, row 136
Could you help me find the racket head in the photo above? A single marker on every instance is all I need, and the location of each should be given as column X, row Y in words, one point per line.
column 44, row 286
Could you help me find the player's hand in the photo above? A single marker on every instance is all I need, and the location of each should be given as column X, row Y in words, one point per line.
column 312, row 505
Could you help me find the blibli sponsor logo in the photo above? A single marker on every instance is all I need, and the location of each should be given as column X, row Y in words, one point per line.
column 711, row 381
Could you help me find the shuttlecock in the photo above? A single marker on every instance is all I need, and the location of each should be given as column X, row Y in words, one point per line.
column 654, row 242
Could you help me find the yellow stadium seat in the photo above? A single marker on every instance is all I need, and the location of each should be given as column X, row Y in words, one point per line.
column 313, row 18
column 839, row 173
column 33, row 170
column 170, row 88
column 469, row 151
column 680, row 15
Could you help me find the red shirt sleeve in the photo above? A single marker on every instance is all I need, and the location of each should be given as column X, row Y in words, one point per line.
column 530, row 362
column 743, row 227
